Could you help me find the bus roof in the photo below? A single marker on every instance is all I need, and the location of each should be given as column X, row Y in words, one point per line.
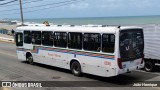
column 85, row 29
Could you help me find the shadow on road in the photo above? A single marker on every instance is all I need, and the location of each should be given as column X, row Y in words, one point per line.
column 127, row 79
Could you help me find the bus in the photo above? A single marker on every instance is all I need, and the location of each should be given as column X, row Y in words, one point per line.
column 98, row 50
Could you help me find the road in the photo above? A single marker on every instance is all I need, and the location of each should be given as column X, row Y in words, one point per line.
column 13, row 69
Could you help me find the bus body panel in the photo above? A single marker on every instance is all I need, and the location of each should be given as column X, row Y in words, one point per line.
column 130, row 66
column 21, row 56
column 28, row 46
column 96, row 63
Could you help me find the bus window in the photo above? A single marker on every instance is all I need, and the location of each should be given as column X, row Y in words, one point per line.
column 27, row 37
column 36, row 37
column 75, row 40
column 108, row 41
column 19, row 39
column 60, row 39
column 92, row 42
column 131, row 44
column 47, row 38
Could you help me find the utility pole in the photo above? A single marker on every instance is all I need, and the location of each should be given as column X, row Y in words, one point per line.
column 21, row 12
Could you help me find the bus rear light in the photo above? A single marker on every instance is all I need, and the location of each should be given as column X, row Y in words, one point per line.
column 119, row 61
column 142, row 59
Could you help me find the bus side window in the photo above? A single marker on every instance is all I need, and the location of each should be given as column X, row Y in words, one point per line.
column 75, row 40
column 92, row 41
column 47, row 38
column 108, row 41
column 60, row 39
column 19, row 39
column 36, row 37
column 27, row 37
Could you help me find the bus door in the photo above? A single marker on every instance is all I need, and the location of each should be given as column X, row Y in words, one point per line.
column 19, row 44
column 19, row 39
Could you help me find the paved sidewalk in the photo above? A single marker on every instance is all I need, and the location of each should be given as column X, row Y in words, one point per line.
column 6, row 38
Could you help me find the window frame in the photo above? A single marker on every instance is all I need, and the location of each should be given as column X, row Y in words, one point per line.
column 98, row 48
column 51, row 33
column 29, row 36
column 17, row 44
column 114, row 42
column 81, row 39
column 36, row 40
column 55, row 41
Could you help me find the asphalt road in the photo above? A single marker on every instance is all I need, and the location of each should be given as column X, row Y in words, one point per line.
column 12, row 69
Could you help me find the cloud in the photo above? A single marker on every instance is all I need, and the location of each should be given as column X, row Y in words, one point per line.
column 90, row 8
column 82, row 5
column 141, row 4
column 110, row 4
column 125, row 4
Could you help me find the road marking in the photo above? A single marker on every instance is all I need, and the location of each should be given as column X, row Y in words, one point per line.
column 157, row 73
column 157, row 88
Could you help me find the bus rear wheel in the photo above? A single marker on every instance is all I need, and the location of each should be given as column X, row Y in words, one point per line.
column 29, row 59
column 76, row 68
column 149, row 66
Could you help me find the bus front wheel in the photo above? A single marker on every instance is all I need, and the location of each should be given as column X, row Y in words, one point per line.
column 76, row 68
column 149, row 66
column 29, row 59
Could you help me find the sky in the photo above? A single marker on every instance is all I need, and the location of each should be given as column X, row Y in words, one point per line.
column 79, row 8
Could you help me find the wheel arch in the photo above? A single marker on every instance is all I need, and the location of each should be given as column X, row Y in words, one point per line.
column 28, row 54
column 74, row 60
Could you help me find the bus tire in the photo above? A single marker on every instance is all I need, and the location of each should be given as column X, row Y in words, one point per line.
column 149, row 66
column 29, row 59
column 76, row 68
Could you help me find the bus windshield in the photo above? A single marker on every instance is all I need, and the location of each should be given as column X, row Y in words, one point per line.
column 131, row 44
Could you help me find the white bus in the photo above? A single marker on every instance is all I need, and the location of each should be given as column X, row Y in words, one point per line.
column 103, row 51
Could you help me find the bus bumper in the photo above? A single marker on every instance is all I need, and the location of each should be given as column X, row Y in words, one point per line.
column 129, row 69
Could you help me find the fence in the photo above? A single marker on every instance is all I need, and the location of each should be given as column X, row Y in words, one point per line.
column 3, row 31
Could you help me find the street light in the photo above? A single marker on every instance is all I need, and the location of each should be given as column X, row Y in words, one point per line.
column 21, row 12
